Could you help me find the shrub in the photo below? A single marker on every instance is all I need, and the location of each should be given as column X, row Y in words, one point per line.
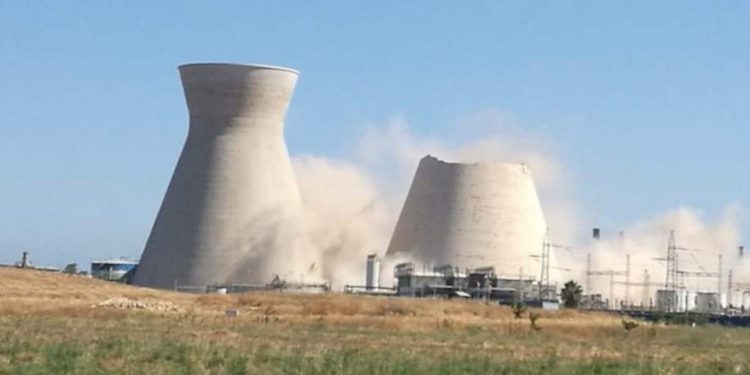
column 533, row 317
column 629, row 325
column 518, row 310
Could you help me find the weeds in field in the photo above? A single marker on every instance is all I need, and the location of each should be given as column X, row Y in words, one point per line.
column 518, row 310
column 194, row 358
column 58, row 330
column 533, row 317
column 629, row 325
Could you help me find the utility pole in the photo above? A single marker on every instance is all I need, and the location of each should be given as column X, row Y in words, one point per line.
column 720, row 271
column 627, row 279
column 612, row 281
column 588, row 273
column 547, row 247
column 729, row 288
column 646, row 286
column 612, row 288
column 544, row 279
column 670, row 282
column 675, row 278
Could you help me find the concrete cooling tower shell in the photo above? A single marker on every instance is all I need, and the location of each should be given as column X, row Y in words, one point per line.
column 233, row 173
column 471, row 215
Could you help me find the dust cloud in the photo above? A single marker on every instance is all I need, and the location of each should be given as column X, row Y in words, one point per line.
column 352, row 204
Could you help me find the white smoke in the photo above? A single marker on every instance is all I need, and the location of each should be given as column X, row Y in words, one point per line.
column 392, row 152
column 353, row 204
column 345, row 217
column 700, row 240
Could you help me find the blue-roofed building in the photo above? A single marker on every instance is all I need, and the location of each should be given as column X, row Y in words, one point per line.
column 113, row 269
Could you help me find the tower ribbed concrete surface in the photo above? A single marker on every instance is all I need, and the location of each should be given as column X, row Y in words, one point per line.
column 233, row 177
column 471, row 215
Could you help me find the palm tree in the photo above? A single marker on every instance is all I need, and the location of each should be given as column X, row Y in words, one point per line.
column 571, row 294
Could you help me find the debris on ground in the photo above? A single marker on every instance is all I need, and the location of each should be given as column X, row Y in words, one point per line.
column 232, row 313
column 129, row 303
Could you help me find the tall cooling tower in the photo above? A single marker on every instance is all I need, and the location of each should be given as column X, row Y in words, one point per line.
column 471, row 215
column 233, row 176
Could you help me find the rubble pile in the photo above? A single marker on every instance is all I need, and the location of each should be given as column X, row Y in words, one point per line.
column 128, row 303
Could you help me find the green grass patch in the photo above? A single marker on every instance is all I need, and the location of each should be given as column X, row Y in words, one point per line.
column 165, row 345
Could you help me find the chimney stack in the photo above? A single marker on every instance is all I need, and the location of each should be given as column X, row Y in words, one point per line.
column 596, row 233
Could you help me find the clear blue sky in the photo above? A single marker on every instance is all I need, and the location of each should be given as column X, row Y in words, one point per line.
column 649, row 102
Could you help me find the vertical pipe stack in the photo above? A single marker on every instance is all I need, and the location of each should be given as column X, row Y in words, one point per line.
column 232, row 179
column 372, row 274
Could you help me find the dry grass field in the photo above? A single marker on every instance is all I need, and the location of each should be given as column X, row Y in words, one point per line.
column 54, row 323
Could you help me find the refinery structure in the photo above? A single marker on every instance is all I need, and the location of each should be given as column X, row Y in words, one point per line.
column 466, row 230
column 472, row 215
column 473, row 228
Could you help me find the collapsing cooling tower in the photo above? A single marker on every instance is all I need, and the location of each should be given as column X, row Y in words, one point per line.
column 471, row 215
column 233, row 176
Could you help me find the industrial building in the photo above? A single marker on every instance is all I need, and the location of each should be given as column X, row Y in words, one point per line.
column 472, row 215
column 694, row 284
column 667, row 300
column 480, row 283
column 113, row 269
column 233, row 176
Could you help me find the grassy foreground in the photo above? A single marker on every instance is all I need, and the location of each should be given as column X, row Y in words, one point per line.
column 52, row 324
